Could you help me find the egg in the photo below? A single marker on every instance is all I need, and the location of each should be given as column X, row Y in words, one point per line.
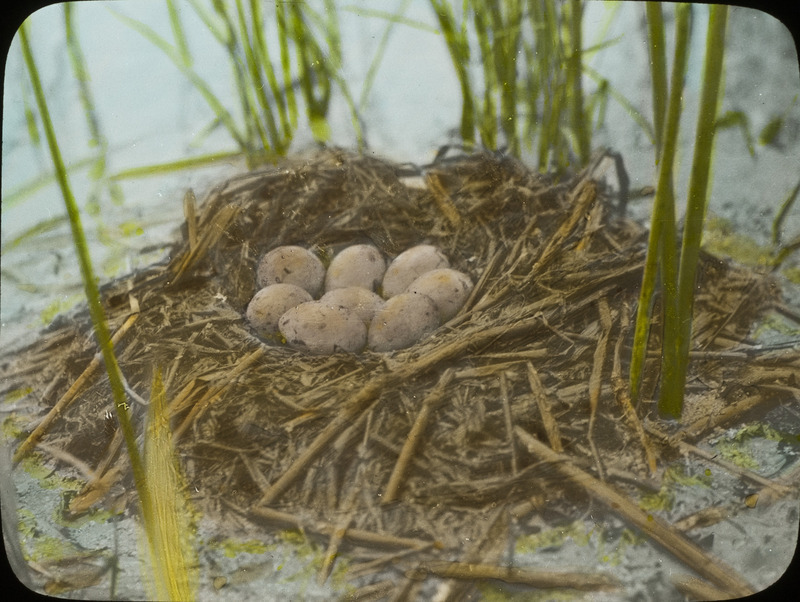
column 270, row 303
column 365, row 304
column 358, row 265
column 291, row 265
column 447, row 288
column 405, row 319
column 319, row 328
column 409, row 265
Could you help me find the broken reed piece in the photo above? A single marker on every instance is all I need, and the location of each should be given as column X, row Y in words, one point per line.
column 664, row 534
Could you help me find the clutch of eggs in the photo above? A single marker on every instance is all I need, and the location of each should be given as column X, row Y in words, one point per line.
column 358, row 302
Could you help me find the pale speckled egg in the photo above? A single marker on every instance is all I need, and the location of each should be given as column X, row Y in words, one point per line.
column 291, row 265
column 365, row 304
column 358, row 265
column 270, row 303
column 319, row 328
column 405, row 319
column 410, row 265
column 448, row 288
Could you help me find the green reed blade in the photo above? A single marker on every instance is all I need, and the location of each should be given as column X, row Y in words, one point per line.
column 658, row 69
column 506, row 25
column 458, row 47
column 255, row 88
column 214, row 25
column 178, row 34
column 671, row 401
column 97, row 138
column 265, row 62
column 281, row 16
column 90, row 285
column 312, row 73
column 573, row 15
column 146, row 171
column 487, row 117
column 661, row 246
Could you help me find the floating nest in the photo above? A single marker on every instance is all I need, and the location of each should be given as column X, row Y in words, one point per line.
column 420, row 460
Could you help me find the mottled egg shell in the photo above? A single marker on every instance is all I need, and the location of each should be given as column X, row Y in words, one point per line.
column 365, row 304
column 448, row 288
column 409, row 265
column 291, row 265
column 357, row 265
column 405, row 319
column 270, row 303
column 320, row 328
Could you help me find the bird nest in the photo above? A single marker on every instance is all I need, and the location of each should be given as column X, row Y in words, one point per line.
column 517, row 406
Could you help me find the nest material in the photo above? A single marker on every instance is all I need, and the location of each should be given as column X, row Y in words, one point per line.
column 429, row 447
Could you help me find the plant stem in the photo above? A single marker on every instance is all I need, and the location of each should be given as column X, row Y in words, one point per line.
column 671, row 401
column 90, row 285
column 662, row 245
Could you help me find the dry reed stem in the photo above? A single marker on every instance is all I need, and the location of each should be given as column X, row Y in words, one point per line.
column 360, row 537
column 414, row 437
column 539, row 579
column 696, row 589
column 509, row 423
column 657, row 529
column 595, row 380
column 540, row 396
column 71, row 395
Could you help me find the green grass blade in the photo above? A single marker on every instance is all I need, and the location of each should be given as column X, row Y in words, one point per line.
column 671, row 401
column 146, row 171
